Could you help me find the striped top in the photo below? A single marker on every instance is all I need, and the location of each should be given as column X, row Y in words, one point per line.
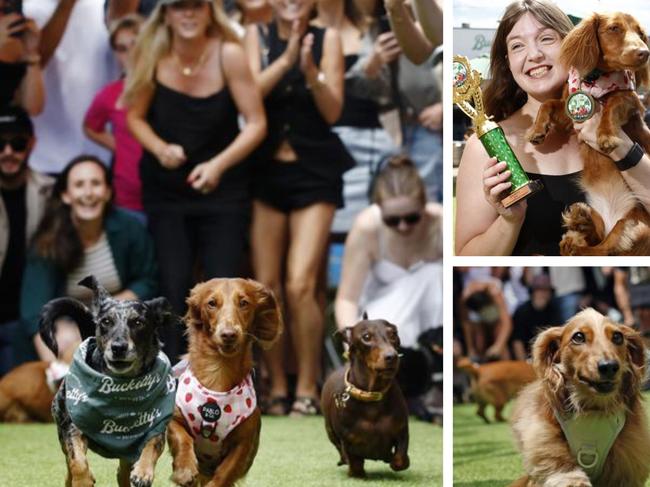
column 97, row 260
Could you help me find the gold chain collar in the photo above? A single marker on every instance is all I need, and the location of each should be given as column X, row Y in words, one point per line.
column 361, row 395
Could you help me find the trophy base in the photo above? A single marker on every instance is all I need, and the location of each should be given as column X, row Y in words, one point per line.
column 530, row 188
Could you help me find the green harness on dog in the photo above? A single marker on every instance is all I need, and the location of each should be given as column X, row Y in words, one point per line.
column 590, row 438
column 118, row 415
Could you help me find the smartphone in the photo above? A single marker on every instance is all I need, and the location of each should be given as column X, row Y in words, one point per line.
column 13, row 6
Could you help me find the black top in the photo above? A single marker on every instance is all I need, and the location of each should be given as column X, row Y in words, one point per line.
column 542, row 229
column 528, row 322
column 203, row 126
column 11, row 74
column 11, row 274
column 292, row 114
column 357, row 112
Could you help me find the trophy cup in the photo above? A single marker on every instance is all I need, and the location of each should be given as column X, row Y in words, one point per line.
column 468, row 97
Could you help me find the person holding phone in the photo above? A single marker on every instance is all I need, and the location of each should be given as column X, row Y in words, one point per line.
column 21, row 78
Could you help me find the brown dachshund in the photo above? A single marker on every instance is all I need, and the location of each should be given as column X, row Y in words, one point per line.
column 215, row 431
column 496, row 383
column 614, row 222
column 365, row 413
column 582, row 423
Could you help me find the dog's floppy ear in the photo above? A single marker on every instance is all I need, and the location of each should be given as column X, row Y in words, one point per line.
column 635, row 347
column 345, row 334
column 162, row 312
column 580, row 48
column 192, row 317
column 546, row 350
column 64, row 307
column 267, row 323
column 642, row 76
column 99, row 293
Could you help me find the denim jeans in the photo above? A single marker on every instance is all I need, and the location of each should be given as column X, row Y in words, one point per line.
column 424, row 147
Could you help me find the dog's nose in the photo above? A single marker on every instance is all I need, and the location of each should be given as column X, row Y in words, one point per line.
column 228, row 335
column 119, row 348
column 608, row 368
column 390, row 357
column 642, row 55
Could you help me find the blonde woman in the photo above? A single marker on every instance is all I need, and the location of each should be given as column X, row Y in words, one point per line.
column 189, row 80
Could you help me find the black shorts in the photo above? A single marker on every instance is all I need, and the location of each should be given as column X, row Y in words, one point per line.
column 288, row 186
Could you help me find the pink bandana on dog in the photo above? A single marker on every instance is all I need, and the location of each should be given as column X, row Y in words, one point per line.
column 211, row 415
column 605, row 83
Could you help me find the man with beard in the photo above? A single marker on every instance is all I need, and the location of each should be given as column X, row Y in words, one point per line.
column 23, row 194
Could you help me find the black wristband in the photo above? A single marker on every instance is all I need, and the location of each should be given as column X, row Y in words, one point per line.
column 631, row 159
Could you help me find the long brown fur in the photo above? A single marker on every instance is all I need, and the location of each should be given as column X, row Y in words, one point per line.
column 251, row 311
column 562, row 366
column 496, row 383
column 608, row 42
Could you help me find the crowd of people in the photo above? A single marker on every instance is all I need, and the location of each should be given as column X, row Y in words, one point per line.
column 155, row 144
column 498, row 311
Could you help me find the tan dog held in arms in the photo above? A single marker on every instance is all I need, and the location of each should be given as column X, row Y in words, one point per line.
column 496, row 383
column 589, row 370
column 614, row 222
column 224, row 318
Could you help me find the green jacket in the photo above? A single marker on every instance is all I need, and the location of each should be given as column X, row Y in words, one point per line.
column 133, row 254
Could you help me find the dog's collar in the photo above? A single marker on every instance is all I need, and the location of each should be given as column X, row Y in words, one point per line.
column 598, row 83
column 360, row 394
column 590, row 437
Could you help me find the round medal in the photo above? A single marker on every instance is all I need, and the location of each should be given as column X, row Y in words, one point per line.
column 460, row 74
column 580, row 106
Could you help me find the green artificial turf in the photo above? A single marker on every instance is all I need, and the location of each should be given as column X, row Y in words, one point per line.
column 484, row 454
column 293, row 452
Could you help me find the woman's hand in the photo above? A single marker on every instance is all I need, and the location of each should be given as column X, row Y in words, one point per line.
column 205, row 177
column 431, row 117
column 292, row 51
column 587, row 132
column 495, row 183
column 171, row 156
column 307, row 64
column 31, row 39
column 10, row 25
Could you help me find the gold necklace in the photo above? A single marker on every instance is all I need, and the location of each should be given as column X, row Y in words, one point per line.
column 190, row 71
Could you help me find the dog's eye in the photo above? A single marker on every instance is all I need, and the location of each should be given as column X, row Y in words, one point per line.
column 243, row 303
column 212, row 304
column 614, row 28
column 617, row 338
column 578, row 338
column 138, row 322
column 105, row 322
column 366, row 337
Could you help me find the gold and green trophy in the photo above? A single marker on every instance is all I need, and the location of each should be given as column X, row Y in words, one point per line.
column 469, row 98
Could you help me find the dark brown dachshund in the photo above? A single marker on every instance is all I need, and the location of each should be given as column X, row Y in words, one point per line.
column 601, row 47
column 365, row 413
column 215, row 431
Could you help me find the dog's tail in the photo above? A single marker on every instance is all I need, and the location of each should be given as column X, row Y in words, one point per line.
column 467, row 366
column 58, row 308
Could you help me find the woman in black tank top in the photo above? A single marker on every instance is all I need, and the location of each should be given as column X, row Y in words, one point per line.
column 298, row 180
column 184, row 96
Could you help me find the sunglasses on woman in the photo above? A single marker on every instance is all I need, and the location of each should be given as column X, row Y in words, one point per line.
column 409, row 219
column 17, row 143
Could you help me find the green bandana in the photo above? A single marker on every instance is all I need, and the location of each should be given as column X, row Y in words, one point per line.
column 119, row 415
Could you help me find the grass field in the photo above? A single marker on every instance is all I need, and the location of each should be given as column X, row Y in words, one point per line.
column 293, row 452
column 484, row 454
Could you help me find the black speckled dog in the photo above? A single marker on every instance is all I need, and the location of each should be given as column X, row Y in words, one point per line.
column 365, row 413
column 119, row 393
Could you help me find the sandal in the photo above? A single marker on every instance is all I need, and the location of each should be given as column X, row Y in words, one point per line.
column 276, row 406
column 305, row 406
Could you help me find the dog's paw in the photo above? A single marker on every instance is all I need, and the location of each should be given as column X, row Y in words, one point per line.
column 576, row 478
column 186, row 477
column 572, row 243
column 607, row 143
column 143, row 479
column 535, row 136
column 83, row 481
column 400, row 462
column 579, row 218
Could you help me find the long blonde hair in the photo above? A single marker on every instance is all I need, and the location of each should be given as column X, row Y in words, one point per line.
column 154, row 42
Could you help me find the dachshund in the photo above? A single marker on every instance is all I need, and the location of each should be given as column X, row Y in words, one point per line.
column 118, row 395
column 582, row 422
column 598, row 50
column 366, row 416
column 214, row 434
column 496, row 383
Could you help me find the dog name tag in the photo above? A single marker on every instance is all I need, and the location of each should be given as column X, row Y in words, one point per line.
column 210, row 412
column 580, row 106
column 341, row 399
